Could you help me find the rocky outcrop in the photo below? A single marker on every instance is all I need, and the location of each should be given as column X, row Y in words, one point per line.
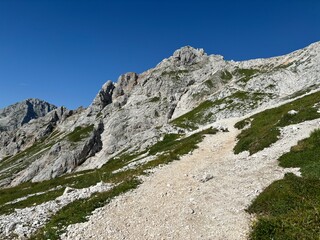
column 188, row 55
column 62, row 157
column 18, row 114
column 13, row 142
column 104, row 97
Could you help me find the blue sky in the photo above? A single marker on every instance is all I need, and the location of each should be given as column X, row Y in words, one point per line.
column 62, row 51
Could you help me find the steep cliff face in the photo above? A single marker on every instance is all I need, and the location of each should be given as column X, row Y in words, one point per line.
column 182, row 93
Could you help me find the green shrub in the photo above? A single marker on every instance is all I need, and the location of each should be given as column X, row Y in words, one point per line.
column 155, row 99
column 247, row 74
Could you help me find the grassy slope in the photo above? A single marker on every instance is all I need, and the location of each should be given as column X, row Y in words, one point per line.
column 198, row 115
column 201, row 115
column 290, row 208
column 264, row 129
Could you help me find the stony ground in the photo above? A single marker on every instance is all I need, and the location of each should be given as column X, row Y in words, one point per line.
column 202, row 196
column 24, row 222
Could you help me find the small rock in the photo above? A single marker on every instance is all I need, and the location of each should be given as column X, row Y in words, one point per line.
column 68, row 190
column 206, row 177
column 292, row 112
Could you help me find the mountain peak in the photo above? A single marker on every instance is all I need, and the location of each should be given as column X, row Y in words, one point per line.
column 22, row 112
column 188, row 55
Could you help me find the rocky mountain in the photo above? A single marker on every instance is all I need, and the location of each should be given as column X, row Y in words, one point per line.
column 183, row 92
column 18, row 114
column 129, row 119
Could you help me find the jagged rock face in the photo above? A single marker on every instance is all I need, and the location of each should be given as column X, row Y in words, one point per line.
column 125, row 84
column 63, row 157
column 104, row 97
column 132, row 114
column 21, row 113
column 188, row 55
column 12, row 142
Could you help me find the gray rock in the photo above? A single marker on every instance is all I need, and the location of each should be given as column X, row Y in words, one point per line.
column 14, row 116
column 292, row 112
column 104, row 97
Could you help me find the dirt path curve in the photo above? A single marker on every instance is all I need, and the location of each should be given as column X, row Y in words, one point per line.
column 180, row 201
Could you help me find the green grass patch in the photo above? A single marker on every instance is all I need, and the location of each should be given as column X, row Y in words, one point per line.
column 209, row 83
column 246, row 74
column 226, row 75
column 197, row 116
column 201, row 114
column 155, row 99
column 290, row 208
column 165, row 144
column 31, row 201
column 305, row 155
column 264, row 129
column 80, row 133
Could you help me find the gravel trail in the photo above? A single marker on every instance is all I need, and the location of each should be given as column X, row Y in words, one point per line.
column 202, row 196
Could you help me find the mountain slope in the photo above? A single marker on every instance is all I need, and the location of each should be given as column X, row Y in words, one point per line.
column 202, row 196
column 134, row 113
column 142, row 121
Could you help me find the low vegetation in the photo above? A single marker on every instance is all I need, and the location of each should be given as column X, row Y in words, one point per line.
column 246, row 74
column 209, row 83
column 226, row 75
column 290, row 208
column 305, row 155
column 202, row 115
column 264, row 126
column 197, row 116
column 155, row 99
column 78, row 210
column 80, row 133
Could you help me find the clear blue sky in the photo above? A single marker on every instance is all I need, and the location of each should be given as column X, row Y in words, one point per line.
column 62, row 51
